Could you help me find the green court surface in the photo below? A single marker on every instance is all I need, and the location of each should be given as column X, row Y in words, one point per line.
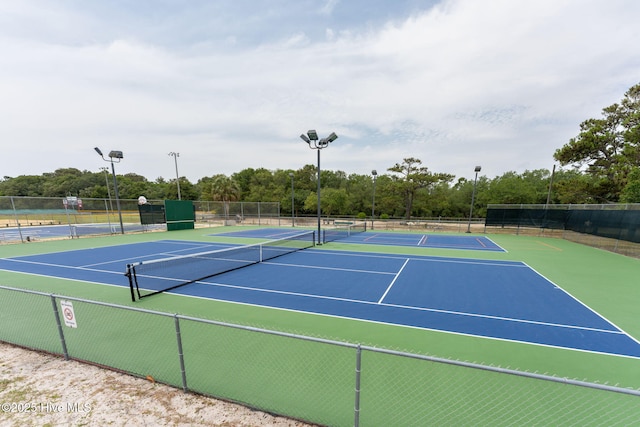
column 605, row 282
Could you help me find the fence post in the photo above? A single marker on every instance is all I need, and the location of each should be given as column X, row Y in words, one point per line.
column 60, row 331
column 106, row 208
column 183, row 371
column 15, row 214
column 356, row 421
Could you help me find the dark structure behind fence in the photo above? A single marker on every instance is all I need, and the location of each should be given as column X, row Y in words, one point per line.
column 617, row 224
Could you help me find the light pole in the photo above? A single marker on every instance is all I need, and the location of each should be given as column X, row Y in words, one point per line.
column 373, row 200
column 114, row 155
column 106, row 182
column 175, row 158
column 553, row 172
column 293, row 219
column 473, row 197
column 311, row 138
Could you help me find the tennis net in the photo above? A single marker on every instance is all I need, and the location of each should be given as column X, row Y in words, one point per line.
column 342, row 231
column 152, row 277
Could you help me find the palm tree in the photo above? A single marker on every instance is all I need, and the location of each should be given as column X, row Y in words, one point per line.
column 225, row 189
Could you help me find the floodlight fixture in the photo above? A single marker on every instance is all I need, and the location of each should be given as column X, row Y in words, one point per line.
column 478, row 169
column 314, row 142
column 311, row 138
column 115, row 154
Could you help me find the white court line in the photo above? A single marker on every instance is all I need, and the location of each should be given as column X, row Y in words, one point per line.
column 422, row 258
column 393, row 281
column 46, row 264
column 399, row 306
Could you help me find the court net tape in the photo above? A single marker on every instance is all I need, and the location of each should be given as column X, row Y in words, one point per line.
column 342, row 231
column 152, row 277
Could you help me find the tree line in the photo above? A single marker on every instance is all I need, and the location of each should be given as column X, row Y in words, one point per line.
column 407, row 189
column 600, row 165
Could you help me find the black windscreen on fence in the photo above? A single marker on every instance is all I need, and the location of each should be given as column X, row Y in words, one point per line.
column 526, row 217
column 151, row 214
column 615, row 221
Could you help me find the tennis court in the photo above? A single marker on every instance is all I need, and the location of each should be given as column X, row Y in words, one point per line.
column 298, row 323
column 36, row 232
column 497, row 299
column 361, row 236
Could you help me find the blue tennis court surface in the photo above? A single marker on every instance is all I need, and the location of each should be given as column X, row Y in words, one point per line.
column 479, row 243
column 503, row 300
column 35, row 232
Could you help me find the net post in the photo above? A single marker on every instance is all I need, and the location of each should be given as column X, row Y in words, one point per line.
column 129, row 275
column 260, row 252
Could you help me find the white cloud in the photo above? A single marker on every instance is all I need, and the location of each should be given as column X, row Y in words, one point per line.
column 328, row 6
column 497, row 83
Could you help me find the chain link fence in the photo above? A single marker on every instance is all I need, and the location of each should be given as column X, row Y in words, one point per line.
column 320, row 381
column 236, row 213
column 27, row 219
column 613, row 227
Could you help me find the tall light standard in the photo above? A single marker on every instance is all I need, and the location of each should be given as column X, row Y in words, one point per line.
column 293, row 219
column 311, row 138
column 553, row 172
column 114, row 155
column 175, row 158
column 373, row 200
column 473, row 197
column 106, row 182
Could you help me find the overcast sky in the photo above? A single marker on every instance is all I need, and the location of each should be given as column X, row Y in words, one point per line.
column 231, row 84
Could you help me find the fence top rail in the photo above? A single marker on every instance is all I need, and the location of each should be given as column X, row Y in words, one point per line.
column 610, row 206
column 179, row 316
column 101, row 303
column 471, row 365
column 268, row 331
column 155, row 201
column 500, row 370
